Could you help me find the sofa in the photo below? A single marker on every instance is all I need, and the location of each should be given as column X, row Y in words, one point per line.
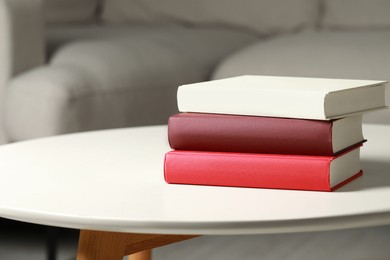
column 77, row 65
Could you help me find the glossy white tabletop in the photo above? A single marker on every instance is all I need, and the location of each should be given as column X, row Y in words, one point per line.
column 113, row 180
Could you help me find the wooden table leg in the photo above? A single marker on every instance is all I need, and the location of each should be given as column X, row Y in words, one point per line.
column 102, row 245
column 143, row 255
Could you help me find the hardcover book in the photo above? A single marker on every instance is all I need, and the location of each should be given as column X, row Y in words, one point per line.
column 296, row 172
column 253, row 134
column 310, row 98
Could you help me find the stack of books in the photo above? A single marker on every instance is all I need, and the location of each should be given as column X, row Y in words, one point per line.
column 270, row 132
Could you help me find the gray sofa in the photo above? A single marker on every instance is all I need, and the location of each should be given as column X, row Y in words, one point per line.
column 76, row 65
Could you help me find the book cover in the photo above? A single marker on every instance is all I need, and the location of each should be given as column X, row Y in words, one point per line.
column 292, row 97
column 252, row 134
column 315, row 173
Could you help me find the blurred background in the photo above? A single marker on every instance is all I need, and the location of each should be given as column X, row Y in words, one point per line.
column 78, row 65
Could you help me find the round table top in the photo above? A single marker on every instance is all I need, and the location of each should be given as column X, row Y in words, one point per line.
column 113, row 180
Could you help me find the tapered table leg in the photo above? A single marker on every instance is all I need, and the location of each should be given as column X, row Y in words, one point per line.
column 102, row 245
column 143, row 255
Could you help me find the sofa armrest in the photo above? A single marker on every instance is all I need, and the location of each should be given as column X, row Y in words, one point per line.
column 21, row 37
column 21, row 43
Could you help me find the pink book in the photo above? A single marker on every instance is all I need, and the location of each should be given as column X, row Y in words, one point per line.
column 276, row 171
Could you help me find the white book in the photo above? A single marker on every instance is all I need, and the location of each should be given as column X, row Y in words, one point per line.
column 291, row 97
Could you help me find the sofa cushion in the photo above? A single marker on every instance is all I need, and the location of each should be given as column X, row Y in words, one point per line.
column 329, row 54
column 356, row 14
column 69, row 11
column 123, row 79
column 262, row 16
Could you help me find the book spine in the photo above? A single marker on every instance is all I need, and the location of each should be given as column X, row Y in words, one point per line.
column 248, row 170
column 249, row 134
column 252, row 102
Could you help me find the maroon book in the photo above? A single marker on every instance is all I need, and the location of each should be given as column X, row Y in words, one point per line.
column 253, row 134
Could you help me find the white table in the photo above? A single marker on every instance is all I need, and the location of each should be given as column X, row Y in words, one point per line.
column 112, row 181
